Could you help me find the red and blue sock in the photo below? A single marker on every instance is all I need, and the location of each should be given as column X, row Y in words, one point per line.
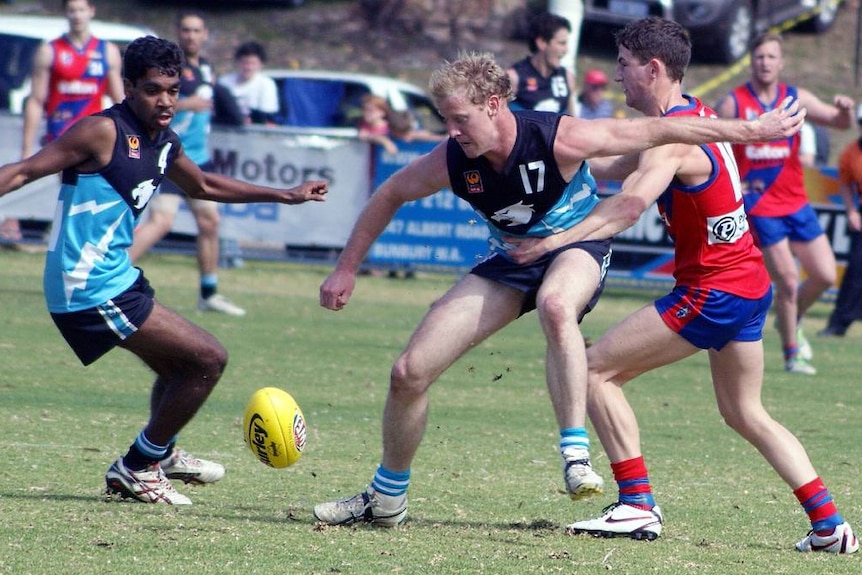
column 633, row 483
column 818, row 505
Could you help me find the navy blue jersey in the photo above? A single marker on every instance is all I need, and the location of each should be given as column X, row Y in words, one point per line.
column 87, row 263
column 535, row 92
column 529, row 197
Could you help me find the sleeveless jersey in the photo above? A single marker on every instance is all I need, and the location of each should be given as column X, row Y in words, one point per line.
column 87, row 263
column 713, row 247
column 193, row 127
column 78, row 82
column 771, row 170
column 535, row 92
column 529, row 197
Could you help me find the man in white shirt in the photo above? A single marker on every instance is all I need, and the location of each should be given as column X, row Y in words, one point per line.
column 256, row 93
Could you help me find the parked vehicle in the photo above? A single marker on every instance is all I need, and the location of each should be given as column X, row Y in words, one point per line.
column 720, row 29
column 21, row 35
column 330, row 100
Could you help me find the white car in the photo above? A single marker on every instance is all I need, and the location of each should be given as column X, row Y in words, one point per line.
column 21, row 35
column 329, row 102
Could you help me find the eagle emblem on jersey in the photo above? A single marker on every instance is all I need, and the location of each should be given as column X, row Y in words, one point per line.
column 134, row 143
column 473, row 179
column 514, row 215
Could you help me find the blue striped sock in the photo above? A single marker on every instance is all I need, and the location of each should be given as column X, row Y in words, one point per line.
column 143, row 452
column 390, row 483
column 573, row 438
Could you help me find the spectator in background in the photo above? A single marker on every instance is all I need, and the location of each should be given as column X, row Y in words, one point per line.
column 848, row 306
column 784, row 223
column 592, row 101
column 255, row 92
column 403, row 127
column 539, row 80
column 374, row 123
column 71, row 77
column 191, row 122
column 813, row 146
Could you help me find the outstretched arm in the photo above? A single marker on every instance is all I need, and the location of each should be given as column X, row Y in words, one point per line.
column 210, row 186
column 578, row 140
column 616, row 213
column 422, row 177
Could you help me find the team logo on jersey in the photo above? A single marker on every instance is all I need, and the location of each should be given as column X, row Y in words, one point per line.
column 474, row 182
column 134, row 143
column 66, row 58
column 514, row 215
column 532, row 84
column 727, row 228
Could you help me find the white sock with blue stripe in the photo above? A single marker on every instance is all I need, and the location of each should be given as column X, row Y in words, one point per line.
column 391, row 483
column 573, row 442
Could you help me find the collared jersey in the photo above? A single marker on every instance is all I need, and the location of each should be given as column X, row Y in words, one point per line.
column 77, row 84
column 529, row 197
column 713, row 247
column 87, row 263
column 771, row 171
column 535, row 92
column 193, row 127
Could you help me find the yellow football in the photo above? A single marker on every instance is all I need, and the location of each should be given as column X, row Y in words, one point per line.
column 274, row 428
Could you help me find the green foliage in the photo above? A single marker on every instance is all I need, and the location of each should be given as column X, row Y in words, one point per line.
column 486, row 493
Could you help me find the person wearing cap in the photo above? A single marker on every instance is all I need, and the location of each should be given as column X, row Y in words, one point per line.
column 592, row 102
column 848, row 306
column 539, row 81
column 784, row 223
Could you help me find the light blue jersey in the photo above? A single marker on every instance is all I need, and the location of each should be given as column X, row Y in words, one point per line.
column 87, row 262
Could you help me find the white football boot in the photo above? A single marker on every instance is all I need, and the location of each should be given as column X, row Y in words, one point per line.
column 621, row 520
column 189, row 469
column 841, row 540
column 581, row 481
column 366, row 507
column 148, row 485
column 221, row 304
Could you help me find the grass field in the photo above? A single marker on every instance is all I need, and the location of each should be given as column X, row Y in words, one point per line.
column 486, row 489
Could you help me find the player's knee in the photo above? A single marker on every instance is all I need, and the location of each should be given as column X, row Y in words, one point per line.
column 211, row 362
column 556, row 312
column 407, row 377
column 208, row 222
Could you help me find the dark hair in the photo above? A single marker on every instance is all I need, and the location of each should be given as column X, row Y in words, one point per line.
column 151, row 52
column 655, row 37
column 545, row 26
column 183, row 14
column 250, row 49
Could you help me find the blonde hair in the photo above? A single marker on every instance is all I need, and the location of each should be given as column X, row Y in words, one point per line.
column 475, row 74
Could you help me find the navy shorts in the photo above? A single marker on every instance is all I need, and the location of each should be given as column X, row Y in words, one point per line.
column 801, row 226
column 93, row 332
column 709, row 318
column 528, row 278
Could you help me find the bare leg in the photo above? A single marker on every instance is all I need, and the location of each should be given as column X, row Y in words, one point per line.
column 785, row 276
column 568, row 287
column 471, row 311
column 207, row 219
column 638, row 344
column 188, row 362
column 737, row 376
column 818, row 262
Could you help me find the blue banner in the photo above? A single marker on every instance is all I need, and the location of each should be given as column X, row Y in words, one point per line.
column 440, row 231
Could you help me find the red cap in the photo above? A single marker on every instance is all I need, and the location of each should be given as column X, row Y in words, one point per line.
column 596, row 78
